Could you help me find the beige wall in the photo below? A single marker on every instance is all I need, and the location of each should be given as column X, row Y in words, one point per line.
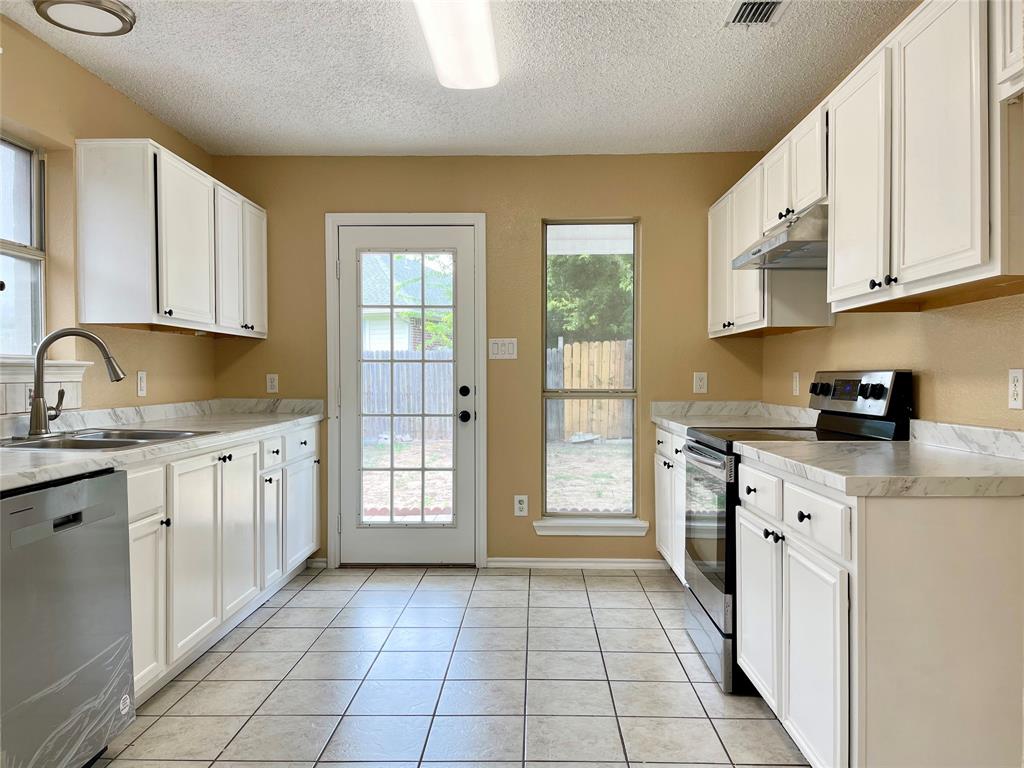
column 960, row 355
column 669, row 193
column 47, row 99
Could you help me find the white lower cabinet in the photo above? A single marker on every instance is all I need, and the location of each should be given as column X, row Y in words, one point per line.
column 300, row 487
column 273, row 527
column 678, row 546
column 240, row 527
column 815, row 656
column 758, row 606
column 663, row 506
column 147, row 551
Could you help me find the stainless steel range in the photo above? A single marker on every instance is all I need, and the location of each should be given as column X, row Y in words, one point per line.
column 853, row 405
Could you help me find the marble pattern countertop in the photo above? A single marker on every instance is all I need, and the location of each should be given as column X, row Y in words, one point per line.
column 752, row 414
column 231, row 420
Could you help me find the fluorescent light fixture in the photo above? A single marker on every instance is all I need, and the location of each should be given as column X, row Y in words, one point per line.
column 101, row 18
column 460, row 37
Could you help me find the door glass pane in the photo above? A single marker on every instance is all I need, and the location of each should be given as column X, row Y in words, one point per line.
column 376, row 334
column 376, row 442
column 439, row 333
column 438, row 271
column 408, row 497
column 408, row 339
column 589, row 456
column 376, row 386
column 438, row 497
column 437, row 439
column 439, row 387
column 376, row 497
column 407, row 273
column 376, row 278
column 408, row 442
column 408, row 387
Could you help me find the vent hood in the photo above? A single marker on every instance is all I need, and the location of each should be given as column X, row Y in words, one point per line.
column 802, row 243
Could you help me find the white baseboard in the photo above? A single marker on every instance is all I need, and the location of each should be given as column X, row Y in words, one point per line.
column 636, row 564
column 316, row 562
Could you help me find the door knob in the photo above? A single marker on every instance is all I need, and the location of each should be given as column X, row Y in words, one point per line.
column 464, row 416
column 464, row 390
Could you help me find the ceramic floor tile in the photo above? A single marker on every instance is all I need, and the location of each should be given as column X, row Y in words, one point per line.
column 544, row 571
column 391, row 582
column 638, row 699
column 227, row 697
column 300, row 617
column 613, row 584
column 421, row 639
column 573, row 738
column 378, row 738
column 232, row 640
column 500, row 571
column 430, row 617
column 165, row 698
column 660, row 583
column 310, row 697
column 619, row 600
column 351, row 639
column 563, row 639
column 568, row 697
column 262, row 764
column 320, row 599
column 335, row 665
column 637, row 640
column 534, row 764
column 631, row 618
column 648, row 667
column 489, row 582
column 499, row 598
column 256, row 666
column 281, row 738
column 561, row 617
column 548, row 582
column 279, row 639
column 410, row 665
column 435, row 598
column 676, row 618
column 760, row 742
column 719, row 704
column 673, row 600
column 258, row 617
column 482, row 697
column 671, row 740
column 202, row 666
column 446, row 582
column 396, row 697
column 380, row 598
column 280, row 598
column 619, row 572
column 495, row 617
column 469, row 764
column 565, row 665
column 487, row 665
column 681, row 642
column 455, row 570
column 129, row 735
column 475, row 738
column 367, row 617
column 184, row 738
column 696, row 669
column 335, row 583
column 553, row 598
column 491, row 639
column 152, row 764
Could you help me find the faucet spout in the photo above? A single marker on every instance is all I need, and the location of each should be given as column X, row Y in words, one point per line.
column 41, row 415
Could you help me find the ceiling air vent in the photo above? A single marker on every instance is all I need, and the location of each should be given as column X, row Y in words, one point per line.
column 749, row 13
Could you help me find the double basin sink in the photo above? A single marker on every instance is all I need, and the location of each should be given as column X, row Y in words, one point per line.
column 101, row 439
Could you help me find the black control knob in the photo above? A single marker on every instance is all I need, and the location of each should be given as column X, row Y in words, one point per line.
column 877, row 391
column 824, row 388
column 864, row 390
column 813, row 389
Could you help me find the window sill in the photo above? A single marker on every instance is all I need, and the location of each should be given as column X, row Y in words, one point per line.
column 590, row 526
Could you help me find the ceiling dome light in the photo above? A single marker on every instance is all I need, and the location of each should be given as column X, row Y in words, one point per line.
column 461, row 41
column 102, row 18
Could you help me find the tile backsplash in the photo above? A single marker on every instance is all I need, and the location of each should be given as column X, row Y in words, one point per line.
column 16, row 383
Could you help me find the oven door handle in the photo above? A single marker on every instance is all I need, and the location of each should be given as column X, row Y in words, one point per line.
column 700, row 458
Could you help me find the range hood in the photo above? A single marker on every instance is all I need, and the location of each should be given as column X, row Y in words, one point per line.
column 801, row 243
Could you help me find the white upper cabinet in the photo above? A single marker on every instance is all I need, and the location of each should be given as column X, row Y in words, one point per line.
column 230, row 274
column 778, row 197
column 1007, row 41
column 940, row 143
column 859, row 182
column 161, row 243
column 808, row 159
column 747, row 202
column 185, row 224
column 719, row 263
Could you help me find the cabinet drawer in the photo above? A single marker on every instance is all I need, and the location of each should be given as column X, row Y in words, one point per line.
column 145, row 493
column 822, row 520
column 299, row 444
column 271, row 451
column 760, row 490
column 663, row 443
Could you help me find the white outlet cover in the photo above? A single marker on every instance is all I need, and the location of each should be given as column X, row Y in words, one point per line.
column 796, row 382
column 521, row 505
column 1015, row 391
column 272, row 383
column 700, row 382
column 141, row 385
column 503, row 349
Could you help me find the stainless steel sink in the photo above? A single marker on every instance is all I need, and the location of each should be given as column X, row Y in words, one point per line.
column 102, row 439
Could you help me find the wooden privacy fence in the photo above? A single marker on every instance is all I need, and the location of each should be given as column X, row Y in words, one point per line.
column 590, row 365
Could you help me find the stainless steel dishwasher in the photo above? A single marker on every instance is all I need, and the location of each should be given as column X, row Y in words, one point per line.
column 66, row 687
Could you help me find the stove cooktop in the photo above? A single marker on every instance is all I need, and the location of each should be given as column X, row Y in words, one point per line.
column 722, row 439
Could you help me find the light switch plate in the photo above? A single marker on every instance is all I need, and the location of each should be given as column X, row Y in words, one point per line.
column 796, row 382
column 272, row 383
column 700, row 382
column 140, row 384
column 521, row 505
column 1016, row 389
column 503, row 349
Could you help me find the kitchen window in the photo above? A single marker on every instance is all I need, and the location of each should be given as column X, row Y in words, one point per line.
column 589, row 389
column 21, row 248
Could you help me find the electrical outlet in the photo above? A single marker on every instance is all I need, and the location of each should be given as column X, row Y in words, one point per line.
column 1016, row 388
column 521, row 506
column 700, row 382
column 272, row 383
column 796, row 382
column 140, row 384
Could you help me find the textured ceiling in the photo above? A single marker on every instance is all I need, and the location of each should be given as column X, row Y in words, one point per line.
column 578, row 76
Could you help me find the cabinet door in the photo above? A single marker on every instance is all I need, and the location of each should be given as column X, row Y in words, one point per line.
column 273, row 528
column 663, row 507
column 815, row 657
column 193, row 551
column 719, row 263
column 300, row 509
column 758, row 605
column 147, row 552
column 255, row 268
column 859, row 146
column 186, row 241
column 240, row 516
column 807, row 149
column 745, row 285
column 230, row 280
column 940, row 142
column 778, row 197
column 1007, row 38
column 678, row 560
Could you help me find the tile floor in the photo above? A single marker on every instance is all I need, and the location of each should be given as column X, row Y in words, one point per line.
column 400, row 667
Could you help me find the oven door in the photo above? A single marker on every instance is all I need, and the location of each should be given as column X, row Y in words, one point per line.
column 707, row 509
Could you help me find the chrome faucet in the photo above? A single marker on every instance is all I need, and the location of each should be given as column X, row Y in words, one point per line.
column 42, row 414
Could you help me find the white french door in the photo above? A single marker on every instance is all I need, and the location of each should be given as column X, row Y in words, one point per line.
column 408, row 394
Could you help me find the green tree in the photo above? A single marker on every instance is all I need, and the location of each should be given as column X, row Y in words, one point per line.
column 590, row 298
